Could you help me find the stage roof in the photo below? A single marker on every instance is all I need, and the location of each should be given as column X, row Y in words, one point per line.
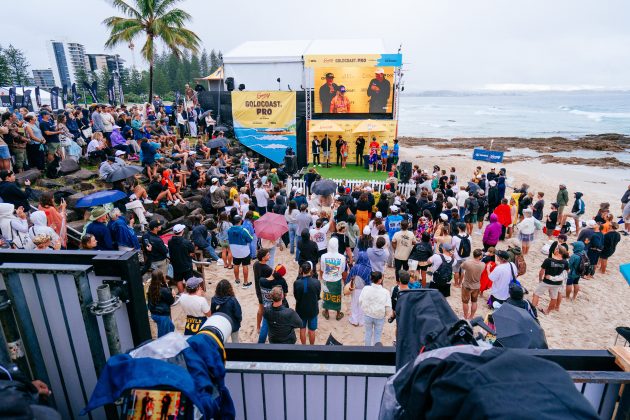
column 294, row 50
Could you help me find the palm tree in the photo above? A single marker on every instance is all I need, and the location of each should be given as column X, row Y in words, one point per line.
column 155, row 19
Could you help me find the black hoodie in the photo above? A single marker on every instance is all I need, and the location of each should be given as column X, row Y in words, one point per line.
column 229, row 306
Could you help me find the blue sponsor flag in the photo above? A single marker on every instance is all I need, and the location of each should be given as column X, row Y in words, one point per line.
column 12, row 97
column 54, row 98
column 488, row 155
column 38, row 97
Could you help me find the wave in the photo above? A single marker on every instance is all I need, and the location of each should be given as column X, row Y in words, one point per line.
column 268, row 146
column 599, row 116
column 265, row 137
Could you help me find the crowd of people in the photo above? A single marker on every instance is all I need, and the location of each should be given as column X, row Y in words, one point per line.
column 343, row 244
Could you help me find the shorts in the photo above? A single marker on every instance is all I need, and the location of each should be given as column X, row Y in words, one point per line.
column 469, row 295
column 326, row 154
column 526, row 237
column 311, row 324
column 445, row 289
column 561, row 210
column 184, row 275
column 573, row 282
column 242, row 261
column 575, row 216
column 543, row 288
column 160, row 265
column 423, row 265
column 470, row 218
column 413, row 264
column 224, row 244
column 53, row 147
column 4, row 152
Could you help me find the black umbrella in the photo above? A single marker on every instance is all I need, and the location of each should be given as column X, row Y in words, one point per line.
column 516, row 328
column 473, row 187
column 123, row 172
column 218, row 142
column 324, row 187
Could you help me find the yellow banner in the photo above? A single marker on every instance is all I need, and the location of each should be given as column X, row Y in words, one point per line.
column 350, row 131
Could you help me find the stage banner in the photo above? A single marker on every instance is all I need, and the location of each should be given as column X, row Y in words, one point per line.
column 265, row 122
column 353, row 83
column 351, row 131
column 488, row 155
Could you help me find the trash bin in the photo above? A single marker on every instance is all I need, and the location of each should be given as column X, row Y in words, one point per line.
column 366, row 161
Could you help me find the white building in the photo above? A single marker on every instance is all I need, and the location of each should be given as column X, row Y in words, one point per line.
column 66, row 60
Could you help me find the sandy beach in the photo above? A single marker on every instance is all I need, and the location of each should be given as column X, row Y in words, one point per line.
column 587, row 323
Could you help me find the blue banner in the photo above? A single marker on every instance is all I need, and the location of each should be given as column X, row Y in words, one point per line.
column 390, row 60
column 488, row 155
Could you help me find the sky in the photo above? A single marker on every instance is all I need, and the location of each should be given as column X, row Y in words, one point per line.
column 446, row 44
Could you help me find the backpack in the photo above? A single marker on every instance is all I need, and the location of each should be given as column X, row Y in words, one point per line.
column 521, row 265
column 444, row 273
column 464, row 246
column 473, row 206
column 584, row 267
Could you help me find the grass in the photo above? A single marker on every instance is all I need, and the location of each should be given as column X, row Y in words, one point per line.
column 351, row 172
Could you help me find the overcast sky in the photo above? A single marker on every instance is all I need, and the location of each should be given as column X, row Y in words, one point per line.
column 447, row 44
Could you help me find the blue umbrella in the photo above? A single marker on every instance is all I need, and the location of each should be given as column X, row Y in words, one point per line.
column 101, row 197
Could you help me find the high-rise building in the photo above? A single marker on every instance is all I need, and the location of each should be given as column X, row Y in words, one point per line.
column 112, row 63
column 67, row 59
column 43, row 78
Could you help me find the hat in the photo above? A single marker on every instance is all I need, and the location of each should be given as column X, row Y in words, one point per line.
column 443, row 216
column 300, row 190
column 367, row 230
column 44, row 112
column 503, row 254
column 330, row 76
column 347, row 190
column 111, row 158
column 179, row 228
column 591, row 223
column 193, row 282
column 198, row 165
column 394, row 209
column 379, row 214
column 120, row 153
column 390, row 174
column 154, row 223
column 215, row 180
column 97, row 213
column 342, row 88
column 447, row 247
column 237, row 218
column 516, row 291
column 41, row 239
column 387, row 186
column 281, row 269
column 379, row 71
column 492, row 183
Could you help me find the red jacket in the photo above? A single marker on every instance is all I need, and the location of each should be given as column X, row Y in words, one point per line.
column 504, row 214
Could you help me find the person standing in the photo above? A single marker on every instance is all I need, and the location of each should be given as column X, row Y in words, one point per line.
column 492, row 233
column 473, row 269
column 315, row 149
column 562, row 198
column 97, row 120
column 553, row 273
column 108, row 123
column 551, row 221
column 160, row 297
column 326, row 144
column 359, row 147
column 344, row 154
column 374, row 158
column 526, row 229
column 51, row 135
column 307, row 292
column 156, row 252
column 577, row 211
column 327, row 92
column 539, row 206
column 225, row 301
column 282, row 321
column 461, row 245
column 576, row 269
column 36, row 146
column 180, row 252
column 402, row 243
column 359, row 276
column 503, row 274
column 332, row 267
column 261, row 194
column 378, row 91
column 594, row 248
column 611, row 239
column 375, row 301
column 194, row 305
column 338, row 145
column 442, row 268
column 239, row 239
column 493, row 196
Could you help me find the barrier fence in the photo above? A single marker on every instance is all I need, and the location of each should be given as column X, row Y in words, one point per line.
column 379, row 186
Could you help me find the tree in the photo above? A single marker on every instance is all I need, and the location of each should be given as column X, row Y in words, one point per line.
column 5, row 74
column 203, row 62
column 18, row 66
column 155, row 20
column 215, row 63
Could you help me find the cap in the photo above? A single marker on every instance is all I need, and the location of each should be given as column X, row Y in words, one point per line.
column 390, row 174
column 237, row 218
column 120, row 153
column 193, row 282
column 281, row 269
column 394, row 209
column 214, row 180
column 447, row 247
column 111, row 158
column 154, row 223
column 367, row 230
column 444, row 217
column 591, row 223
column 387, row 186
column 379, row 214
column 342, row 88
column 330, row 76
column 379, row 71
column 503, row 254
column 198, row 165
column 300, row 190
column 179, row 228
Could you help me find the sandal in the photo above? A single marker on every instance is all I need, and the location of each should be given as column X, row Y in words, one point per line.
column 230, row 267
column 339, row 315
column 237, row 281
column 325, row 314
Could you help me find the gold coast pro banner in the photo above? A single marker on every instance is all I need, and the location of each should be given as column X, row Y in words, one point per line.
column 346, row 84
column 265, row 122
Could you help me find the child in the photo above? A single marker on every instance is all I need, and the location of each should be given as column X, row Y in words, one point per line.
column 384, row 154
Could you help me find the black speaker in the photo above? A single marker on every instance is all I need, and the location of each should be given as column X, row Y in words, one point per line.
column 405, row 171
column 229, row 82
column 241, row 87
column 290, row 164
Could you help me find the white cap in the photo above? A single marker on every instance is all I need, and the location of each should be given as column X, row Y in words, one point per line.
column 379, row 214
column 443, row 217
column 300, row 190
column 178, row 228
column 314, row 210
column 379, row 71
column 119, row 153
column 367, row 230
column 393, row 208
column 368, row 189
column 215, row 180
column 198, row 165
column 294, row 188
column 591, row 223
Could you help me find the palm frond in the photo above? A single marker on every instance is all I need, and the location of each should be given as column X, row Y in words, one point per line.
column 124, row 7
column 175, row 17
column 146, row 7
column 162, row 6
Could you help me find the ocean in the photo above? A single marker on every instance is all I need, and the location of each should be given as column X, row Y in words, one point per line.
column 539, row 114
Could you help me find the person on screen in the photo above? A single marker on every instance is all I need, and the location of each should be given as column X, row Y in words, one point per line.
column 340, row 104
column 327, row 92
column 378, row 91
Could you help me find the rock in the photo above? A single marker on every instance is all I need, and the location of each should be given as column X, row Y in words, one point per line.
column 72, row 199
column 180, row 220
column 164, row 213
column 198, row 211
column 71, row 215
column 178, row 211
column 77, row 225
column 192, row 205
column 68, row 166
column 48, row 183
column 32, row 175
column 81, row 175
column 85, row 186
column 159, row 218
column 66, row 191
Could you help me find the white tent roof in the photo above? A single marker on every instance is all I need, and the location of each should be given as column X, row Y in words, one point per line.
column 293, row 51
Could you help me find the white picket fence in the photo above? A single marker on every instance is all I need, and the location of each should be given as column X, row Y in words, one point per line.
column 376, row 185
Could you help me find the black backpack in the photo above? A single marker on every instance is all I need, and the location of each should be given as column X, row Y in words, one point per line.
column 444, row 273
column 464, row 246
column 585, row 265
column 473, row 206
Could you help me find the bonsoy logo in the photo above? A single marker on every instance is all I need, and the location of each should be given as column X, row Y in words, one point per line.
column 263, row 95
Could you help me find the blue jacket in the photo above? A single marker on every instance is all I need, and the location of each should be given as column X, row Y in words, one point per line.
column 122, row 234
column 237, row 235
column 299, row 200
column 202, row 381
column 102, row 235
column 574, row 261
